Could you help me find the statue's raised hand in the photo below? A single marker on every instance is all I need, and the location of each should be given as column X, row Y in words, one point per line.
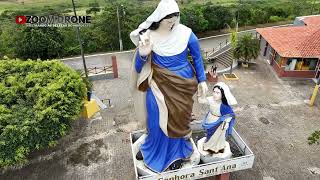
column 145, row 44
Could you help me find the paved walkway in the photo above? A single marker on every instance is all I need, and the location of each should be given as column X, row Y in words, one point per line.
column 272, row 118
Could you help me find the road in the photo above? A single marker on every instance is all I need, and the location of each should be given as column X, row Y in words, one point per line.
column 104, row 59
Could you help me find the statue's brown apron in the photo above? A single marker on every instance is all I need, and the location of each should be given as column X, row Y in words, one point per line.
column 178, row 93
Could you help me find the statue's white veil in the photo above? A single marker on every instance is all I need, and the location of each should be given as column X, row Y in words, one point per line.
column 164, row 8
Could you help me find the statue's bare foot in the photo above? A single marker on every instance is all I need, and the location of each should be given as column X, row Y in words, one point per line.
column 139, row 156
column 176, row 165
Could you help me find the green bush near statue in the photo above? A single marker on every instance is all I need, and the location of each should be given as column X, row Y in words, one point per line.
column 38, row 102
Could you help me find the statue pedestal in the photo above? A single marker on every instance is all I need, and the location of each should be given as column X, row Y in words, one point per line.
column 243, row 158
column 144, row 171
column 207, row 157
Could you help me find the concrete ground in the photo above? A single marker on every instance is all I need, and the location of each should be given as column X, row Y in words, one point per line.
column 272, row 118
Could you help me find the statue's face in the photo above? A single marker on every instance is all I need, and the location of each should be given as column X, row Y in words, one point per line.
column 217, row 94
column 168, row 23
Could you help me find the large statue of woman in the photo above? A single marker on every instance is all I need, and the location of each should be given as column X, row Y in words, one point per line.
column 218, row 124
column 167, row 82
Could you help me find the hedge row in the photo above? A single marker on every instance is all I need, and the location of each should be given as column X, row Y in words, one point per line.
column 38, row 101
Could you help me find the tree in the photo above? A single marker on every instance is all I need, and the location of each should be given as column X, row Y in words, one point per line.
column 217, row 16
column 259, row 16
column 192, row 17
column 9, row 36
column 94, row 8
column 70, row 44
column 43, row 43
column 245, row 14
column 105, row 26
column 247, row 48
column 298, row 7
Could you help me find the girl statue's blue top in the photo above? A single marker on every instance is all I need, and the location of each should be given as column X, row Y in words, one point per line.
column 226, row 112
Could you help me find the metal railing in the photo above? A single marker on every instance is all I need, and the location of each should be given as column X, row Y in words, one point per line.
column 219, row 47
column 98, row 70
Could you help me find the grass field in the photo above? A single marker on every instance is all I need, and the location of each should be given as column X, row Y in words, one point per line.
column 83, row 5
column 56, row 4
column 66, row 4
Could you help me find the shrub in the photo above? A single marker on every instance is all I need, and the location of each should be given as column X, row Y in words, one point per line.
column 275, row 18
column 38, row 102
column 314, row 138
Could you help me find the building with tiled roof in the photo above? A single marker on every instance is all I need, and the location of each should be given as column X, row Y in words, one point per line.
column 293, row 51
column 308, row 20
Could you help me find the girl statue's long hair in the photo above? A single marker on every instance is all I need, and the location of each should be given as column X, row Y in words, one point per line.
column 223, row 96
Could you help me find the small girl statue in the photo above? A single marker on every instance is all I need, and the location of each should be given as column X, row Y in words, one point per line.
column 218, row 124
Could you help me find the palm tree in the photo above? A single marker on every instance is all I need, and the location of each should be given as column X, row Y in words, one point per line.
column 247, row 48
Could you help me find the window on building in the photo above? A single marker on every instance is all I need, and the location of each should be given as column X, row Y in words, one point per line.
column 299, row 64
column 277, row 58
column 291, row 64
column 310, row 64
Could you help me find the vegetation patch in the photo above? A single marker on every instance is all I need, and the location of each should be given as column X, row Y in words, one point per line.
column 38, row 102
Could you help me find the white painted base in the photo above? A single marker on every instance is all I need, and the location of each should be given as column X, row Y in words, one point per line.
column 207, row 157
column 143, row 170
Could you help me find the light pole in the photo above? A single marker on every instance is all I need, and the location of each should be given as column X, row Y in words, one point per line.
column 80, row 42
column 119, row 28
